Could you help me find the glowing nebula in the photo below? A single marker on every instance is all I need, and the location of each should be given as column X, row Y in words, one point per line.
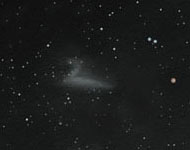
column 80, row 78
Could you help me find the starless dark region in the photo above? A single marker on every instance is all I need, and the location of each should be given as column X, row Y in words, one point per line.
column 94, row 75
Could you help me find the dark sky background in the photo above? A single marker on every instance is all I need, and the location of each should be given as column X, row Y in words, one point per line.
column 141, row 47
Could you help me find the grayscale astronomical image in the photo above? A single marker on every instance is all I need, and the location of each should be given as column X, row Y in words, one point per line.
column 95, row 75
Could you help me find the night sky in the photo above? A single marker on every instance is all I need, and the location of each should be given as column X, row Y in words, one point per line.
column 95, row 75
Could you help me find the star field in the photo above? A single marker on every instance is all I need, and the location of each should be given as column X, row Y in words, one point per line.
column 95, row 75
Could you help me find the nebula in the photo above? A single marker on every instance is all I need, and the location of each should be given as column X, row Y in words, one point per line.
column 78, row 77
